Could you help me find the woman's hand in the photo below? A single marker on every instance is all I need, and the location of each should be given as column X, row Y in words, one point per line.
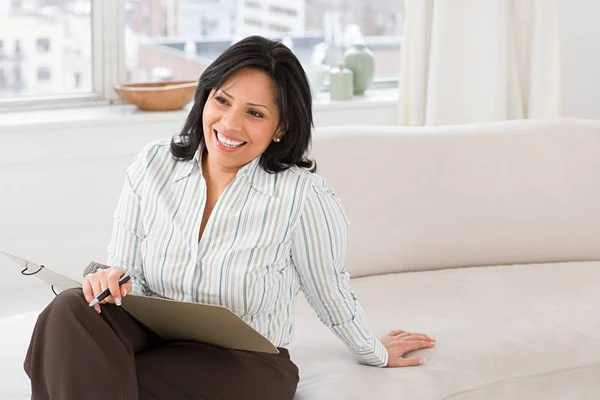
column 94, row 284
column 399, row 343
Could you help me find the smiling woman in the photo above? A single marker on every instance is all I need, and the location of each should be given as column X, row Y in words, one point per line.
column 235, row 132
column 257, row 88
column 252, row 103
column 229, row 212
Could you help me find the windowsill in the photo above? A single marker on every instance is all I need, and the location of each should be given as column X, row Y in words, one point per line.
column 126, row 113
column 371, row 99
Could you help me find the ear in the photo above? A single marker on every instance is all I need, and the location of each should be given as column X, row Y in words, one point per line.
column 278, row 135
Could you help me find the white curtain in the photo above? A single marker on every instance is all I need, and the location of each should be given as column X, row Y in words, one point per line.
column 467, row 61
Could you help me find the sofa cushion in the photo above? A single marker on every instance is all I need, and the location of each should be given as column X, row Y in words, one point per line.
column 502, row 332
column 517, row 331
column 483, row 194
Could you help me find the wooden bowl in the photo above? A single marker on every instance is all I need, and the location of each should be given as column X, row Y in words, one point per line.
column 158, row 96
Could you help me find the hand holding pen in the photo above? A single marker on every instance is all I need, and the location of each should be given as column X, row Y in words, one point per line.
column 108, row 285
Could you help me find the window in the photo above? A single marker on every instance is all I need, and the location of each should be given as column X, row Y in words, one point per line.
column 278, row 28
column 253, row 22
column 284, row 11
column 44, row 74
column 49, row 2
column 43, row 45
column 319, row 30
column 89, row 46
column 252, row 4
column 17, row 75
column 60, row 31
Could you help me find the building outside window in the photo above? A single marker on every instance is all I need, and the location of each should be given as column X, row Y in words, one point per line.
column 104, row 43
column 318, row 30
column 58, row 30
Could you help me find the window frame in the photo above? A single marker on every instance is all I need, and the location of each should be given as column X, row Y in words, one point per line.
column 108, row 67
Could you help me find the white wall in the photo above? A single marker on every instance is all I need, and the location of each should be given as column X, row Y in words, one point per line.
column 580, row 30
column 59, row 182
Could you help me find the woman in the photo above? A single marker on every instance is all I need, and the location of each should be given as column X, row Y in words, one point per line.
column 229, row 212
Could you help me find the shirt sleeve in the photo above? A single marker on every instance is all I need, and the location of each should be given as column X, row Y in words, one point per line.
column 128, row 229
column 319, row 253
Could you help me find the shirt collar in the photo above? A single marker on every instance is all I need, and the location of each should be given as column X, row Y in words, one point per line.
column 258, row 178
column 184, row 168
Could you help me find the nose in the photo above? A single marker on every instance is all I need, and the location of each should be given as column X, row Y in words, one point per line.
column 231, row 120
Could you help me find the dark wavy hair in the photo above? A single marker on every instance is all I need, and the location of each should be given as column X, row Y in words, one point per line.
column 293, row 98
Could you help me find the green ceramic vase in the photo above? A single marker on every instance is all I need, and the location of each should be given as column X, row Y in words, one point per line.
column 361, row 61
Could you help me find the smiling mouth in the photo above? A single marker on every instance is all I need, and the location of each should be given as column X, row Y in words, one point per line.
column 232, row 144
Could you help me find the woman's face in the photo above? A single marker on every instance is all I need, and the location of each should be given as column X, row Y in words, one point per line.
column 240, row 119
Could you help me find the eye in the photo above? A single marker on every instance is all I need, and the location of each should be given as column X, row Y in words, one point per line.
column 220, row 100
column 255, row 114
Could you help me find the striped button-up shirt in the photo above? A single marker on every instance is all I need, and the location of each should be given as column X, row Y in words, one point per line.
column 268, row 237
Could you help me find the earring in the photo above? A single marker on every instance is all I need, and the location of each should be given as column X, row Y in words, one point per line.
column 277, row 140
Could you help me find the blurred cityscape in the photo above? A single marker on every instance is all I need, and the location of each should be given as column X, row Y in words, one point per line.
column 46, row 45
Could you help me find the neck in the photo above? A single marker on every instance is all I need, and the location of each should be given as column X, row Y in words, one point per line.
column 215, row 175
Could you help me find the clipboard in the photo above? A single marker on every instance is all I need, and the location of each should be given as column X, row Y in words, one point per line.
column 180, row 320
column 170, row 319
column 56, row 281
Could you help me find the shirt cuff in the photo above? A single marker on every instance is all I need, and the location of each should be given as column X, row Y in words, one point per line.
column 93, row 267
column 377, row 357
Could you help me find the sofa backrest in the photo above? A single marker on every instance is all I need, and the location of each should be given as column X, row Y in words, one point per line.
column 424, row 198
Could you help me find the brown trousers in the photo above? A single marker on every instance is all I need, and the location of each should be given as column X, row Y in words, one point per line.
column 77, row 354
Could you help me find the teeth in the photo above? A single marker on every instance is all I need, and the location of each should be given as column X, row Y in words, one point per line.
column 228, row 142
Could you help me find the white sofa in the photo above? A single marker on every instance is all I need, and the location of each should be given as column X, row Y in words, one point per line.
column 485, row 236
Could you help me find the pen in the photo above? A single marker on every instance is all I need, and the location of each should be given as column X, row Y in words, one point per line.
column 106, row 292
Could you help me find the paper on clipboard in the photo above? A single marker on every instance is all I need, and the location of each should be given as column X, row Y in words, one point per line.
column 169, row 319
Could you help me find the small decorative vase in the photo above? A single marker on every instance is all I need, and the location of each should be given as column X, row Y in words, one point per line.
column 342, row 85
column 361, row 61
